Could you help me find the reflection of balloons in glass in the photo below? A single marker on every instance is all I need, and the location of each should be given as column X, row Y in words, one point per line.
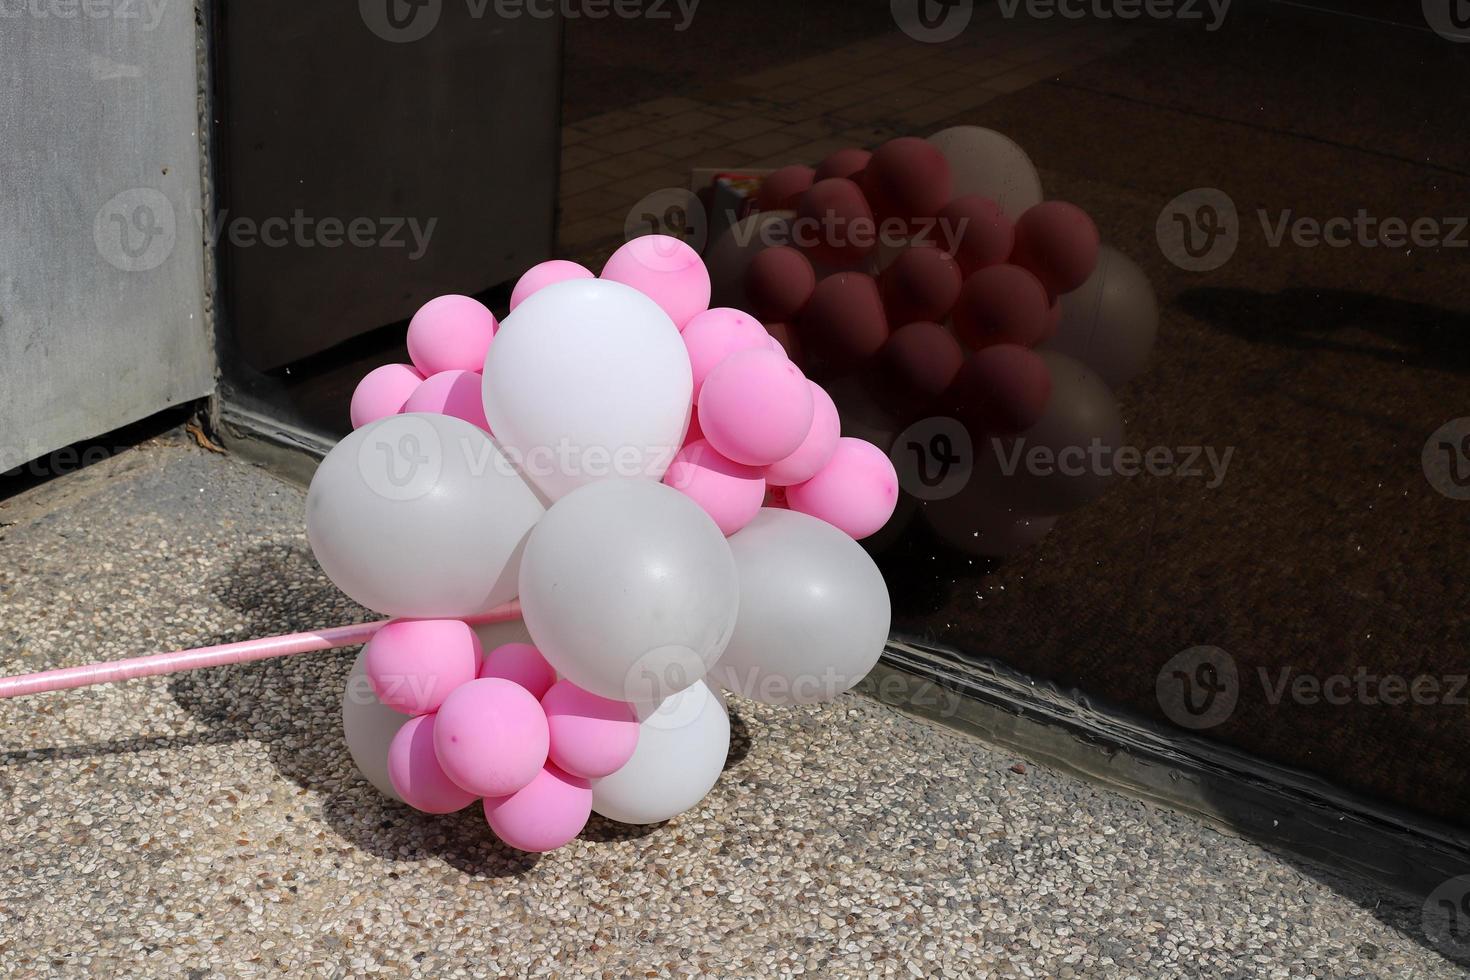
column 921, row 284
column 782, row 188
column 847, row 162
column 835, row 223
column 588, row 379
column 368, row 726
column 1002, row 304
column 729, row 258
column 915, row 367
column 843, row 324
column 1057, row 242
column 975, row 231
column 907, row 178
column 1066, row 459
column 682, row 745
column 814, row 611
column 629, row 589
column 999, row 390
column 419, row 516
column 779, row 283
column 1111, row 321
column 989, row 164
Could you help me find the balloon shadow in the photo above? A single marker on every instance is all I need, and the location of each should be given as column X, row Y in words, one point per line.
column 291, row 707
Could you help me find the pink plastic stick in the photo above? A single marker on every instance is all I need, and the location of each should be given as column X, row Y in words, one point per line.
column 67, row 678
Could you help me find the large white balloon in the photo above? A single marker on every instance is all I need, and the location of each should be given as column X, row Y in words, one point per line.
column 588, row 379
column 629, row 589
column 1110, row 322
column 682, row 746
column 420, row 516
column 991, row 164
column 369, row 727
column 814, row 611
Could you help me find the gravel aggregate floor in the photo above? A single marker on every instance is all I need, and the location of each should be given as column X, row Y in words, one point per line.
column 212, row 823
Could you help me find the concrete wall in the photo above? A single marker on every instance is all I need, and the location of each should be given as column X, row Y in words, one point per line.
column 101, row 257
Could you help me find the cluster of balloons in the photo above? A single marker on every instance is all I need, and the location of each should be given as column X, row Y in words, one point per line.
column 664, row 491
column 930, row 278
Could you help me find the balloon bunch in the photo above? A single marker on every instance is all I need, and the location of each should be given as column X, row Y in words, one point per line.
column 932, row 275
column 611, row 454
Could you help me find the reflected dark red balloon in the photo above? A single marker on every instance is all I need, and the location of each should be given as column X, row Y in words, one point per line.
column 785, row 335
column 779, row 281
column 923, row 283
column 1002, row 304
column 843, row 324
column 914, row 368
column 976, row 232
column 1001, row 390
column 844, row 163
column 782, row 188
column 907, row 178
column 1058, row 243
column 834, row 223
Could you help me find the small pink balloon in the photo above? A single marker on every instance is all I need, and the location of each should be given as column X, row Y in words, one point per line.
column 457, row 393
column 382, row 392
column 450, row 333
column 549, row 811
column 729, row 492
column 414, row 664
column 591, row 736
column 491, row 737
column 521, row 663
column 816, row 449
column 415, row 773
column 755, row 407
column 715, row 334
column 545, row 274
column 856, row 491
column 667, row 271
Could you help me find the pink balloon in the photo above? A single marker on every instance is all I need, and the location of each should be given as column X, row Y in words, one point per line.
column 667, row 271
column 545, row 274
column 521, row 663
column 382, row 392
column 414, row 664
column 816, row 449
column 491, row 737
column 549, row 811
column 456, row 393
column 856, row 491
column 729, row 492
column 755, row 407
column 694, row 433
column 415, row 773
column 715, row 334
column 450, row 333
column 591, row 736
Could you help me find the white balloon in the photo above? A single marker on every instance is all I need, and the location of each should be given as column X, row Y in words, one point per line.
column 420, row 516
column 588, row 379
column 629, row 589
column 814, row 611
column 730, row 255
column 682, row 746
column 369, row 727
column 991, row 164
column 1110, row 322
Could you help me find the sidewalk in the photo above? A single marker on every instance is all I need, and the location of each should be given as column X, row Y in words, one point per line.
column 212, row 823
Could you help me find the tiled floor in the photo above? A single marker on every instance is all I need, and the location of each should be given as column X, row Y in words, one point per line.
column 859, row 94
